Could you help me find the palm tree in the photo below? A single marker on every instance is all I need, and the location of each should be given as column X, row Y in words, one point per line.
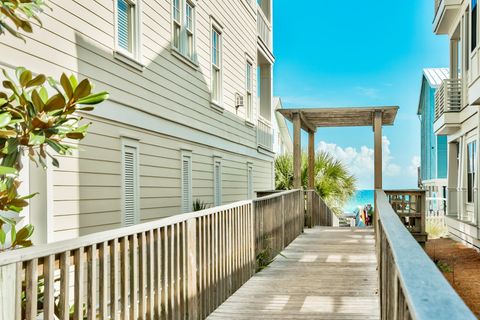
column 333, row 182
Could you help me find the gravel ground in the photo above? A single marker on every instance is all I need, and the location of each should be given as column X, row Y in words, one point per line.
column 461, row 266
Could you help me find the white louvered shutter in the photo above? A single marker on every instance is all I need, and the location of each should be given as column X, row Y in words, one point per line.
column 250, row 182
column 130, row 206
column 186, row 184
column 218, row 183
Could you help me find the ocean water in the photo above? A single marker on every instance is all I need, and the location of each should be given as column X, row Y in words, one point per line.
column 361, row 198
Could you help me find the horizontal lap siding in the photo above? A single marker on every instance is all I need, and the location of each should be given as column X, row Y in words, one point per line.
column 87, row 186
column 78, row 37
column 166, row 87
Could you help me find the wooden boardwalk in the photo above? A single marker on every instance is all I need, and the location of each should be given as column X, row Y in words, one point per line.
column 326, row 273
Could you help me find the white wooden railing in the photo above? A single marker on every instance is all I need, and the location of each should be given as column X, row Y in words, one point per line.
column 264, row 134
column 411, row 286
column 181, row 267
column 448, row 97
column 264, row 28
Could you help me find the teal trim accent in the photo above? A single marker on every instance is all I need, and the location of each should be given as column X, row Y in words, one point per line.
column 433, row 154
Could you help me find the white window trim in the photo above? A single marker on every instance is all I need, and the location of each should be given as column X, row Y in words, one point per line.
column 134, row 59
column 181, row 52
column 217, row 201
column 187, row 155
column 131, row 143
column 217, row 105
column 250, row 119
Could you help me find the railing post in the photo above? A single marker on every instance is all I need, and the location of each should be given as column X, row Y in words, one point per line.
column 309, row 215
column 283, row 221
column 192, row 269
column 8, row 294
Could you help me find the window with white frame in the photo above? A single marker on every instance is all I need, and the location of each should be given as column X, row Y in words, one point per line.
column 471, row 170
column 128, row 27
column 217, row 181
column 473, row 25
column 249, row 93
column 183, row 28
column 216, row 65
column 187, row 201
column 130, row 181
column 250, row 181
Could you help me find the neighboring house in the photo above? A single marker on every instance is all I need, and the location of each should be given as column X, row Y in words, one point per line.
column 433, row 167
column 456, row 114
column 182, row 121
column 282, row 140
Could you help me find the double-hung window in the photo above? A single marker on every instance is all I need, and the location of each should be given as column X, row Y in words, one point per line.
column 474, row 25
column 128, row 28
column 471, row 170
column 183, row 28
column 216, row 65
column 249, row 96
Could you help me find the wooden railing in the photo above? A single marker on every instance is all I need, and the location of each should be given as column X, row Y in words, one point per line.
column 181, row 267
column 448, row 97
column 410, row 206
column 264, row 134
column 411, row 286
column 317, row 212
column 264, row 28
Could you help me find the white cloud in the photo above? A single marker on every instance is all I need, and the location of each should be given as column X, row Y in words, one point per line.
column 413, row 167
column 360, row 161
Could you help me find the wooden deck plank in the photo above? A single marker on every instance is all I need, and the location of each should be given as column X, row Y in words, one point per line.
column 326, row 273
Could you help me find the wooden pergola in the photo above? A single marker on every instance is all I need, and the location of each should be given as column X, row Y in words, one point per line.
column 311, row 119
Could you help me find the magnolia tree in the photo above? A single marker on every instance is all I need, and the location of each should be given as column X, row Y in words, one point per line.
column 38, row 118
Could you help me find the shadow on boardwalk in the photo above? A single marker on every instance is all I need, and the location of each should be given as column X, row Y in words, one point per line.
column 327, row 273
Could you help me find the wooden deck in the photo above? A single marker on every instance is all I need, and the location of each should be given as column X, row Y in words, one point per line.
column 326, row 273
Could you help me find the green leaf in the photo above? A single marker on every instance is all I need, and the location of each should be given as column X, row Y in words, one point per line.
column 19, row 71
column 83, row 90
column 25, row 78
column 5, row 119
column 37, row 81
column 25, row 233
column 3, row 101
column 3, row 236
column 73, row 82
column 37, row 101
column 54, row 103
column 43, row 94
column 7, row 170
column 36, row 139
column 94, row 98
column 67, row 86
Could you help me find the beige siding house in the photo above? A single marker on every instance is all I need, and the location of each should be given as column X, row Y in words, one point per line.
column 456, row 114
column 189, row 115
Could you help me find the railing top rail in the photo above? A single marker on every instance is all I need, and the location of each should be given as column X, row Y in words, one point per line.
column 276, row 195
column 405, row 191
column 43, row 250
column 427, row 292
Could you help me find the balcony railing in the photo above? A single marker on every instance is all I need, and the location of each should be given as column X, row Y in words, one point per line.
column 264, row 134
column 264, row 28
column 448, row 97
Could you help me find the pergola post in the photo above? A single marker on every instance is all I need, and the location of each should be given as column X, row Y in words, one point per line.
column 377, row 129
column 297, row 151
column 378, row 149
column 311, row 160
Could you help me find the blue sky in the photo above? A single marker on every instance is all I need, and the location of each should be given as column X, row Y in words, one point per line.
column 359, row 53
